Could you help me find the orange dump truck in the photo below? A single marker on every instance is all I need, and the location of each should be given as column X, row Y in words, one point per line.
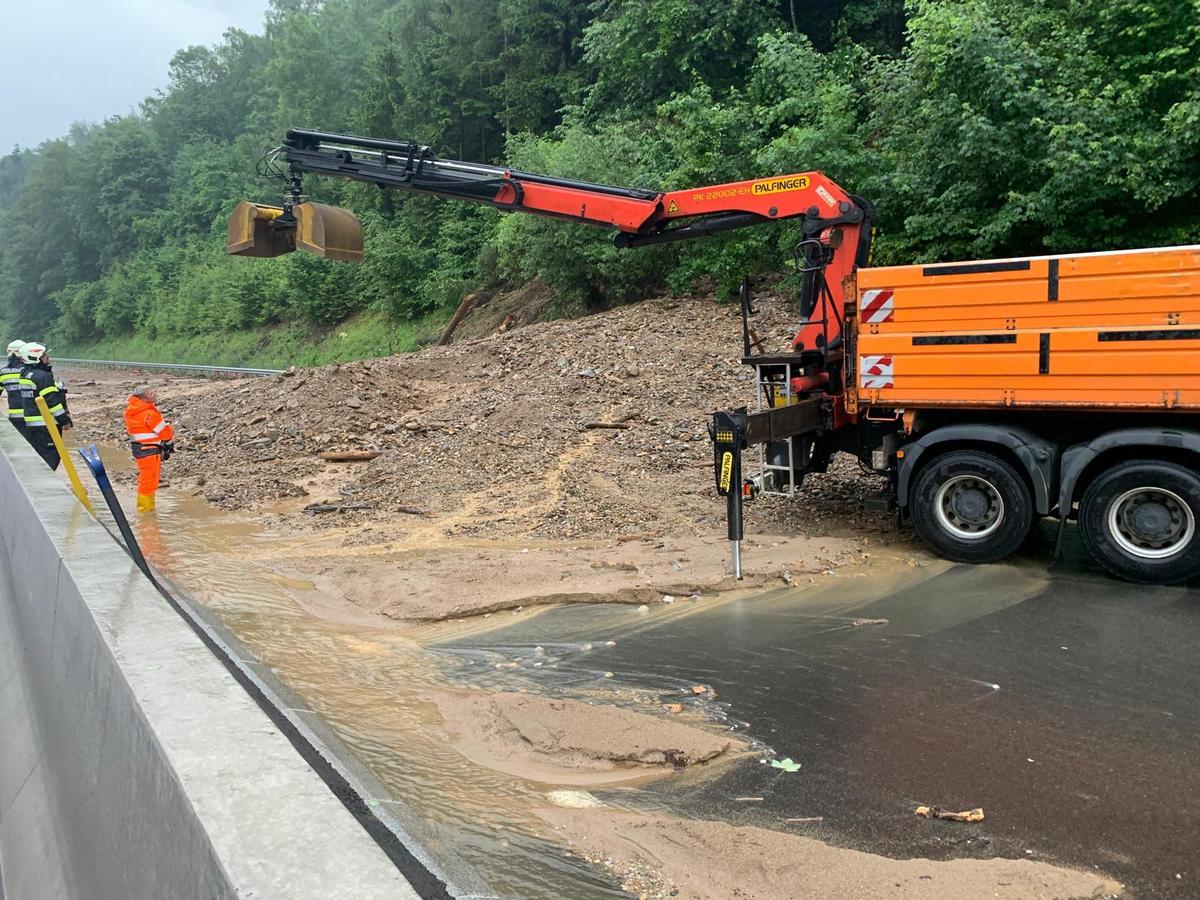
column 988, row 393
column 993, row 393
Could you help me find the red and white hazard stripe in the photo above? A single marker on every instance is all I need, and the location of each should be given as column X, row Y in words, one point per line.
column 877, row 306
column 876, row 372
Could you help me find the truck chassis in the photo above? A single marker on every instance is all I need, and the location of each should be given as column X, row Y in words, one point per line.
column 1008, row 401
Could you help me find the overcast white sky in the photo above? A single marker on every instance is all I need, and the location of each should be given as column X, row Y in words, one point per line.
column 64, row 61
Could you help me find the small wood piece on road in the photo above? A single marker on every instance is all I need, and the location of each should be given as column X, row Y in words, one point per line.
column 621, row 425
column 348, row 455
column 459, row 314
column 936, row 812
column 807, row 820
column 314, row 508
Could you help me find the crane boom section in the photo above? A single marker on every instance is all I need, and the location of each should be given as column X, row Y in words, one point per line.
column 834, row 226
column 645, row 216
column 783, row 197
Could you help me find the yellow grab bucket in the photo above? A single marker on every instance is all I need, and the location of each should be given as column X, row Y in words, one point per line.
column 252, row 232
column 264, row 231
column 329, row 231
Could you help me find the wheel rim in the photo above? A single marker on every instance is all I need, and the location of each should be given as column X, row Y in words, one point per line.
column 969, row 507
column 1151, row 522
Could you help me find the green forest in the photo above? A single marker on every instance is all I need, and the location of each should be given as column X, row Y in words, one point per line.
column 978, row 128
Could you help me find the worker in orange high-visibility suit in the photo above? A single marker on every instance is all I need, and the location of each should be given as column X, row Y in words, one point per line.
column 152, row 440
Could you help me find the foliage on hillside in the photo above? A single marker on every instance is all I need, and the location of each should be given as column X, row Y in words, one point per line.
column 977, row 127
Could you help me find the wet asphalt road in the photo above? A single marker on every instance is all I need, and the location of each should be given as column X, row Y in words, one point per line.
column 1066, row 704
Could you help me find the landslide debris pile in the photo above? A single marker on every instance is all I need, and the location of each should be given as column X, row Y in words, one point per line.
column 496, row 430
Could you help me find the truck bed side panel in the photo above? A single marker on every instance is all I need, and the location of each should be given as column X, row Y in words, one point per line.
column 1116, row 330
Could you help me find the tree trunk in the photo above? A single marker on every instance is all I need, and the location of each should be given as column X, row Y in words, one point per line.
column 459, row 314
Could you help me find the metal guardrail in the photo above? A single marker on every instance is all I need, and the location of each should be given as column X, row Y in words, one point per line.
column 164, row 367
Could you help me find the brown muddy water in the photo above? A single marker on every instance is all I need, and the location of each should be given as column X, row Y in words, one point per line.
column 366, row 681
column 1059, row 700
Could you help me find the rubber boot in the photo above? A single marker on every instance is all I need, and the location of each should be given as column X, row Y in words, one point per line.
column 145, row 503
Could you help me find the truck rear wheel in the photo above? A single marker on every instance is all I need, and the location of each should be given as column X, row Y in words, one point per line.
column 971, row 506
column 1139, row 521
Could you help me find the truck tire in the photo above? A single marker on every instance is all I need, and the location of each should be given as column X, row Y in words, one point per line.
column 1139, row 521
column 971, row 506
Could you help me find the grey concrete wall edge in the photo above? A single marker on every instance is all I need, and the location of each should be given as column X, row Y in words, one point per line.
column 131, row 763
column 406, row 834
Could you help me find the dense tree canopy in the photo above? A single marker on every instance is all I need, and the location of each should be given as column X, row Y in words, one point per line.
column 977, row 127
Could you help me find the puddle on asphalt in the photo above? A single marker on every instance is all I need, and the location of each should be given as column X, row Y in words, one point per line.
column 1059, row 700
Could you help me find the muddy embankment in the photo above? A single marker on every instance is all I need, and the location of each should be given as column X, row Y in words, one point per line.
column 565, row 461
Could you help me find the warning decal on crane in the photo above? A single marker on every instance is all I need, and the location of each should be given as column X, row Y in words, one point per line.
column 673, row 207
column 877, row 307
column 876, row 372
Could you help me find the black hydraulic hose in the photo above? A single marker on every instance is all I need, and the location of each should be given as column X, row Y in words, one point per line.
column 700, row 228
column 91, row 456
column 304, row 139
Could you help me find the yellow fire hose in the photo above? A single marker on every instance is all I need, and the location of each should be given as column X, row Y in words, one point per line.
column 55, row 435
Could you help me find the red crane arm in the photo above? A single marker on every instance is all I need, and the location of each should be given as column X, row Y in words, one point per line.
column 782, row 197
column 636, row 212
column 835, row 225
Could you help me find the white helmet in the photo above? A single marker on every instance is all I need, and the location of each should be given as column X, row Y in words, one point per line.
column 15, row 348
column 33, row 353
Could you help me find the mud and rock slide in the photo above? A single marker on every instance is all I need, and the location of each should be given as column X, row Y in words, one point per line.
column 440, row 580
column 565, row 461
column 560, row 462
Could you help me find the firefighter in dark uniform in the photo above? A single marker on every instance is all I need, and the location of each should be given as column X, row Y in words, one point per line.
column 10, row 380
column 37, row 380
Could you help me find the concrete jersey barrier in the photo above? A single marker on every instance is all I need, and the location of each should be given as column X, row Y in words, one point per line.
column 132, row 764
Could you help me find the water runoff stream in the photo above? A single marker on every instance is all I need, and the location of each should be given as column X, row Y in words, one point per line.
column 1061, row 701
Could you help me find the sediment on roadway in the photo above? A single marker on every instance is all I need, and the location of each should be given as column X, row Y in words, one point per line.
column 132, row 763
column 563, row 462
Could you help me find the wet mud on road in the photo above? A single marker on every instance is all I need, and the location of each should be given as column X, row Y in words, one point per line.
column 1062, row 702
column 367, row 684
column 963, row 697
